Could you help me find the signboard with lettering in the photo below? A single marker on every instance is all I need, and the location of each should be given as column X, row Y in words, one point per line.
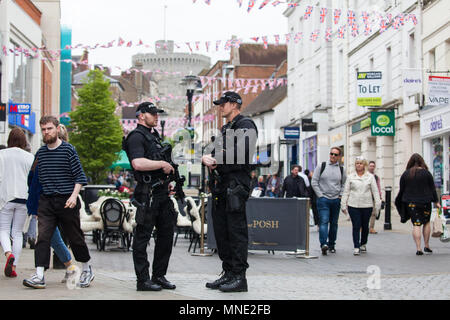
column 439, row 91
column 292, row 133
column 368, row 89
column 383, row 123
column 412, row 82
column 434, row 124
column 20, row 108
column 308, row 125
column 273, row 224
column 27, row 122
column 2, row 117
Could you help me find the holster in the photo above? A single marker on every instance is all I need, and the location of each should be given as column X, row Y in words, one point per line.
column 237, row 195
column 144, row 212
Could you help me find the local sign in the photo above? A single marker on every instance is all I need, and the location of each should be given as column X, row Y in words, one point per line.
column 368, row 89
column 383, row 123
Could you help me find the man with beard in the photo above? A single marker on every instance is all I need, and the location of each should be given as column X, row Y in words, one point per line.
column 62, row 177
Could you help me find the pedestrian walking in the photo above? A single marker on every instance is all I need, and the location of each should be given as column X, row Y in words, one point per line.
column 155, row 209
column 313, row 198
column 34, row 193
column 417, row 193
column 375, row 213
column 230, row 190
column 328, row 183
column 15, row 163
column 61, row 176
column 294, row 185
column 304, row 176
column 273, row 187
column 361, row 196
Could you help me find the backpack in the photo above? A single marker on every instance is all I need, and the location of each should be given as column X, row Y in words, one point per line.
column 324, row 165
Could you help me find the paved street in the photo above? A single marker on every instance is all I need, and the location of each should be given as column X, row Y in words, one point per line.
column 270, row 277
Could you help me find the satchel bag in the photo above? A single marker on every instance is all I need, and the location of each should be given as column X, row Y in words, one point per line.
column 438, row 229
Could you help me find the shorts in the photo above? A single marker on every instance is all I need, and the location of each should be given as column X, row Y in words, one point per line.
column 420, row 213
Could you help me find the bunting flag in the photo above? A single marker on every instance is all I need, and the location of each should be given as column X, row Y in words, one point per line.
column 277, row 39
column 315, row 35
column 240, row 3
column 255, row 39
column 218, row 44
column 298, row 37
column 351, row 17
column 121, row 42
column 413, row 18
column 189, row 46
column 341, row 32
column 129, row 44
column 383, row 26
column 140, row 43
column 208, row 2
column 355, row 29
column 275, row 3
column 251, row 4
column 323, row 14
column 337, row 15
column 292, row 4
column 265, row 42
column 288, row 38
column 197, row 45
column 328, row 34
column 365, row 17
column 207, row 44
column 265, row 2
column 367, row 30
column 308, row 12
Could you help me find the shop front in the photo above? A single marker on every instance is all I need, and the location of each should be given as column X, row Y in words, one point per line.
column 435, row 134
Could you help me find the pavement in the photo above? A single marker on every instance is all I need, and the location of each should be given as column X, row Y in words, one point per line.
column 390, row 270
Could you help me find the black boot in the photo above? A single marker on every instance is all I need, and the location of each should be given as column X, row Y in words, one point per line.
column 238, row 284
column 227, row 276
column 148, row 285
column 163, row 282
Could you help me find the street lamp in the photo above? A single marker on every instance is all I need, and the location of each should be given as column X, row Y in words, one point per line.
column 191, row 83
column 162, row 119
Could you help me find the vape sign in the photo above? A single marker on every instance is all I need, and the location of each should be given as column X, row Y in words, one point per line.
column 368, row 89
column 383, row 123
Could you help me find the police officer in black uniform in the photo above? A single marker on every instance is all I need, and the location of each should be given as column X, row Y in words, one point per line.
column 230, row 186
column 151, row 196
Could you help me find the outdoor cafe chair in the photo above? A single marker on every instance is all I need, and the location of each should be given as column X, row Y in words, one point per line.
column 114, row 213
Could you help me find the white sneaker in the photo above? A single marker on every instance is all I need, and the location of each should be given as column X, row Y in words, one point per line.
column 363, row 249
column 356, row 252
column 86, row 278
column 34, row 282
column 70, row 272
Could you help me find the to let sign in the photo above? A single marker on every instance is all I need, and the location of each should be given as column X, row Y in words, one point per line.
column 383, row 123
column 20, row 108
column 368, row 89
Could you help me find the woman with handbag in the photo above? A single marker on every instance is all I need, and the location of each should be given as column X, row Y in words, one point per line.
column 361, row 196
column 417, row 192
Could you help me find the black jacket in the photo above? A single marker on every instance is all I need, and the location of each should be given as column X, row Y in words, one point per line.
column 294, row 187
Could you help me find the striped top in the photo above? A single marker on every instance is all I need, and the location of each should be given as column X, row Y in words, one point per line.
column 59, row 169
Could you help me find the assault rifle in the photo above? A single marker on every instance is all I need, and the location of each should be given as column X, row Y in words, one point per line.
column 166, row 154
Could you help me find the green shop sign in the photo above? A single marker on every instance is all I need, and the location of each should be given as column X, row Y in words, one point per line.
column 383, row 123
column 361, row 125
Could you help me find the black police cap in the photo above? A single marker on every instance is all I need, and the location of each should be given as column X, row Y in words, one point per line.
column 229, row 97
column 147, row 107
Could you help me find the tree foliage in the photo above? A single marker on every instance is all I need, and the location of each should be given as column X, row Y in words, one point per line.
column 97, row 133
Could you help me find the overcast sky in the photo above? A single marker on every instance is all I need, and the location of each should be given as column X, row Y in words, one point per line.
column 101, row 21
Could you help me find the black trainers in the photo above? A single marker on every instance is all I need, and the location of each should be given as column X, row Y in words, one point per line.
column 419, row 253
column 238, row 284
column 427, row 250
column 324, row 250
column 226, row 276
column 332, row 250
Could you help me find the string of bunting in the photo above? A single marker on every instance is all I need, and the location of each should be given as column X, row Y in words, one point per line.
column 352, row 20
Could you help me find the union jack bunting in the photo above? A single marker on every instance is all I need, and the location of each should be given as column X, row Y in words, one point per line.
column 298, row 37
column 277, row 39
column 341, row 32
column 288, row 37
column 237, row 43
column 197, row 44
column 218, row 44
column 255, row 39
column 308, row 12
column 351, row 17
column 389, row 16
column 264, row 4
column 207, row 43
column 292, row 5
column 355, row 29
column 5, row 51
column 265, row 42
column 383, row 26
column 251, row 4
column 189, row 46
column 275, row 3
column 328, row 34
column 314, row 35
column 367, row 30
column 365, row 17
column 413, row 18
column 121, row 42
column 228, row 45
column 129, row 44
column 323, row 14
column 140, row 43
column 337, row 15
column 208, row 2
column 240, row 3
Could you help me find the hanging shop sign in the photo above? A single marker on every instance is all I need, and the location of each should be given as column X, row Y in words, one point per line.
column 20, row 108
column 25, row 121
column 361, row 125
column 292, row 133
column 308, row 125
column 368, row 89
column 383, row 123
column 439, row 91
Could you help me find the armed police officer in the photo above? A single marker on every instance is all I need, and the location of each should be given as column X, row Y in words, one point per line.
column 151, row 196
column 230, row 167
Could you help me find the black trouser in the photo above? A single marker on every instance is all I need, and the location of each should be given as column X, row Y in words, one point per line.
column 51, row 213
column 162, row 217
column 231, row 232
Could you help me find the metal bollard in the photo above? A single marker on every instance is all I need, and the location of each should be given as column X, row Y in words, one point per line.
column 387, row 209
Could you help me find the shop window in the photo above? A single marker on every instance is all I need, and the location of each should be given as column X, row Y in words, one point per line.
column 310, row 153
column 437, row 148
column 20, row 77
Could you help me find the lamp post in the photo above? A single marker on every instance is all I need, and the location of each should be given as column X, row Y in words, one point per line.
column 163, row 117
column 191, row 84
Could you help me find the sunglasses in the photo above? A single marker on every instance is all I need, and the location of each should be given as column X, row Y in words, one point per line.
column 334, row 154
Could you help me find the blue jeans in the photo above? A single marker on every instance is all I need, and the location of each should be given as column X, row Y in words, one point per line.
column 31, row 233
column 60, row 247
column 272, row 195
column 360, row 220
column 328, row 214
